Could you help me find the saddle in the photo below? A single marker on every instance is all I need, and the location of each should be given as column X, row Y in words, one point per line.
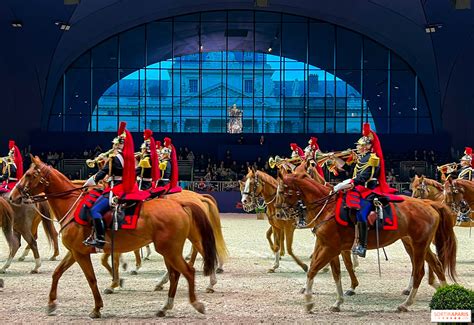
column 347, row 203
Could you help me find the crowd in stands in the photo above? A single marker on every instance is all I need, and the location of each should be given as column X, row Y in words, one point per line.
column 209, row 169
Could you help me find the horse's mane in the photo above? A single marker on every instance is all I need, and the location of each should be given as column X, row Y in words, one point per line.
column 60, row 175
column 267, row 178
column 309, row 183
column 432, row 182
column 466, row 184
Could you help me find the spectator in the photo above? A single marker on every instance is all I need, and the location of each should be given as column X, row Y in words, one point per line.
column 228, row 158
column 190, row 156
column 412, row 173
column 262, row 140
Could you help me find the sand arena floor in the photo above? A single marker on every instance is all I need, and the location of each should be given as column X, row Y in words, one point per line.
column 245, row 292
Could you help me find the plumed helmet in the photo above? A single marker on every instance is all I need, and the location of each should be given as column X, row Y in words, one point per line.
column 120, row 138
column 467, row 154
column 367, row 136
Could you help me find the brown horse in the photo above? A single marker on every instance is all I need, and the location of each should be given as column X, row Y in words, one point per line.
column 209, row 206
column 430, row 189
column 26, row 220
column 165, row 223
column 459, row 195
column 420, row 221
column 258, row 183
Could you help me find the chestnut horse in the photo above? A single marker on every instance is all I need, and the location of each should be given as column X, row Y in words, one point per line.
column 165, row 223
column 459, row 194
column 420, row 221
column 430, row 189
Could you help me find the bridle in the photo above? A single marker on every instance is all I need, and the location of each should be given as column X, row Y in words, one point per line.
column 253, row 195
column 422, row 189
column 460, row 207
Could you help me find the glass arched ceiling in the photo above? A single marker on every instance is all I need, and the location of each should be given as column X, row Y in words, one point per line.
column 192, row 94
column 297, row 54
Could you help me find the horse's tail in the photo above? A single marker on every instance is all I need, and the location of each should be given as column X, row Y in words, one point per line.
column 207, row 237
column 445, row 239
column 47, row 222
column 210, row 197
column 6, row 218
column 215, row 220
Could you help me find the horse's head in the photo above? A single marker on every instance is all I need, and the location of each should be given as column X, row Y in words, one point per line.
column 419, row 188
column 33, row 182
column 288, row 193
column 251, row 188
column 454, row 195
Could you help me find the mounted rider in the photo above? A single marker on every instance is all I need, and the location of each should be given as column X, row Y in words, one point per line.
column 298, row 155
column 12, row 169
column 467, row 165
column 168, row 165
column 148, row 165
column 368, row 182
column 310, row 153
column 119, row 168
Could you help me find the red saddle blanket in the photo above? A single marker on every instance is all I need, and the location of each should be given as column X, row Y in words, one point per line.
column 127, row 217
column 345, row 203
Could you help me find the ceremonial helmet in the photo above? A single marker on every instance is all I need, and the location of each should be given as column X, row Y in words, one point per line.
column 147, row 134
column 367, row 136
column 121, row 134
column 467, row 155
column 167, row 148
column 313, row 142
column 296, row 151
column 11, row 152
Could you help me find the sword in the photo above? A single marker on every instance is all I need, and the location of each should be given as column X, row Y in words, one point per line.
column 378, row 208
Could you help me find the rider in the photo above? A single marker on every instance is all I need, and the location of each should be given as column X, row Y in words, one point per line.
column 148, row 166
column 310, row 153
column 368, row 181
column 13, row 167
column 296, row 152
column 119, row 169
column 297, row 155
column 466, row 163
column 168, row 165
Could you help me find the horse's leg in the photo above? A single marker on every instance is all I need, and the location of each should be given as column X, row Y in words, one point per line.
column 346, row 257
column 289, row 232
column 29, row 238
column 116, row 281
column 174, row 278
column 220, row 264
column 409, row 250
column 104, row 260
column 54, row 238
column 336, row 274
column 212, row 278
column 321, row 257
column 164, row 279
column 355, row 260
column 419, row 252
column 148, row 253
column 65, row 264
column 138, row 262
column 276, row 248
column 269, row 235
column 13, row 241
column 281, row 241
column 193, row 255
column 86, row 265
column 435, row 266
column 25, row 253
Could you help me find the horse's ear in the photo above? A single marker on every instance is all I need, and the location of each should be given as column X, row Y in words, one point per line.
column 253, row 169
column 422, row 178
column 249, row 170
column 35, row 160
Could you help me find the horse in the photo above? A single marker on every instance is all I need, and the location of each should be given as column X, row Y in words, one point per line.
column 420, row 221
column 426, row 188
column 26, row 220
column 165, row 223
column 207, row 204
column 459, row 195
column 260, row 184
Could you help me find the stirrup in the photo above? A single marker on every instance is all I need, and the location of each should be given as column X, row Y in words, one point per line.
column 94, row 242
column 300, row 225
column 359, row 251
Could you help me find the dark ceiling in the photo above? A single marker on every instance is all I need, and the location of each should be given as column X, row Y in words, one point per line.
column 34, row 57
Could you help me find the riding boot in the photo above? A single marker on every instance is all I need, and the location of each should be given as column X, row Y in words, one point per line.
column 99, row 240
column 301, row 215
column 361, row 248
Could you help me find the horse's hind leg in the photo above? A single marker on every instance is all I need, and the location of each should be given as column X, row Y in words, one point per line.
column 34, row 247
column 409, row 250
column 25, row 253
column 289, row 232
column 164, row 279
column 276, row 248
column 138, row 262
column 336, row 273
column 65, row 264
column 86, row 266
column 435, row 266
column 34, row 231
column 174, row 278
column 346, row 257
column 212, row 278
column 114, row 272
column 13, row 241
column 148, row 253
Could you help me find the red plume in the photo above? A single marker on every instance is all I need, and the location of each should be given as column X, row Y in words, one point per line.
column 174, row 165
column 468, row 151
column 155, row 163
column 314, row 142
column 147, row 134
column 11, row 144
column 18, row 162
column 128, row 177
column 166, row 141
column 366, row 130
column 122, row 127
column 158, row 144
column 293, row 146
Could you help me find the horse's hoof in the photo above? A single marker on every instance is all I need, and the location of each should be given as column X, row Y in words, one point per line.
column 309, row 306
column 209, row 290
column 133, row 272
column 406, row 292
column 1, row 284
column 2, row 271
column 349, row 293
column 335, row 309
column 146, row 259
column 121, row 283
column 219, row 270
column 402, row 309
column 108, row 291
column 158, row 287
column 305, row 268
column 271, row 271
column 21, row 259
column 199, row 306
column 52, row 309
column 124, row 266
column 34, row 272
column 94, row 314
column 52, row 258
column 161, row 313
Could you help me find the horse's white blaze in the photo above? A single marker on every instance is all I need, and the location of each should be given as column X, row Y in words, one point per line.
column 246, row 190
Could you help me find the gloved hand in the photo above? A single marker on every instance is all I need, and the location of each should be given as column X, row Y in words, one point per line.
column 343, row 185
column 90, row 182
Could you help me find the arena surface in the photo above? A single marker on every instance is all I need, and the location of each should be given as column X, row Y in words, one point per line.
column 245, row 292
